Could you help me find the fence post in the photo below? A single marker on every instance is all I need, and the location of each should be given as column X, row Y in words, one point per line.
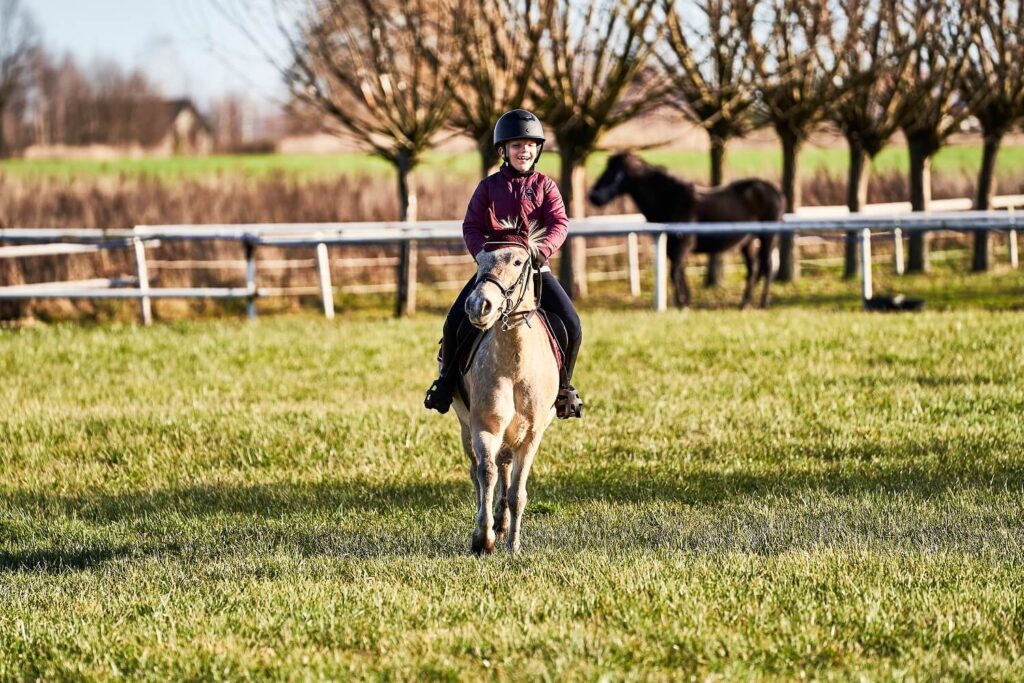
column 1011, row 238
column 633, row 256
column 660, row 271
column 323, row 266
column 250, row 275
column 865, row 266
column 142, row 273
column 897, row 248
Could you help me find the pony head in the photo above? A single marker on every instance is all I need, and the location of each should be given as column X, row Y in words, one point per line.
column 502, row 270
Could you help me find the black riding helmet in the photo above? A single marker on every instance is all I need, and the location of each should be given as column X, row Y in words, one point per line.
column 519, row 124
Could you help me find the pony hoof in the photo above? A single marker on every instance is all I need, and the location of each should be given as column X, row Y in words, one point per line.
column 483, row 545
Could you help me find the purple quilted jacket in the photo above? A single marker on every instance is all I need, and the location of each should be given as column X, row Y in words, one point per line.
column 506, row 205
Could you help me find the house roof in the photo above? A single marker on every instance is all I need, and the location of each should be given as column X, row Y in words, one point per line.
column 152, row 119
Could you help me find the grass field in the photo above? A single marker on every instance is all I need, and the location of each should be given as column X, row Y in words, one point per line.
column 800, row 492
column 741, row 161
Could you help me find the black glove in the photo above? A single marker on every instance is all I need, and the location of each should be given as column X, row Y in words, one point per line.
column 537, row 259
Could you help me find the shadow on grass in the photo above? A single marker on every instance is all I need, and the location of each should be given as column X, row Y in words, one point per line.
column 432, row 518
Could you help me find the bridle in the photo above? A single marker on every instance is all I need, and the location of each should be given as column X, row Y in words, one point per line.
column 511, row 316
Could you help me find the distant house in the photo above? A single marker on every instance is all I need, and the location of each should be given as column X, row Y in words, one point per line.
column 134, row 128
column 166, row 127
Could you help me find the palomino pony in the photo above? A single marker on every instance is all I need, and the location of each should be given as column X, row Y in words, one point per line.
column 510, row 388
column 662, row 198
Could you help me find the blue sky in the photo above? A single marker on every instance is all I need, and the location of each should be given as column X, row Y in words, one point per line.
column 186, row 46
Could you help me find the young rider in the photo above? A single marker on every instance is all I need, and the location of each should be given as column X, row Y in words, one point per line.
column 505, row 205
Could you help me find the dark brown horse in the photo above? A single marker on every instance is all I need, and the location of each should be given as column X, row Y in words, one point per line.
column 662, row 198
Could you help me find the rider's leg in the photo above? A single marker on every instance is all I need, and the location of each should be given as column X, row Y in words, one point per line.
column 440, row 394
column 554, row 299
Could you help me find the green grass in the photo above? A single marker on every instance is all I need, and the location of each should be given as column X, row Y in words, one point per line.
column 741, row 161
column 810, row 492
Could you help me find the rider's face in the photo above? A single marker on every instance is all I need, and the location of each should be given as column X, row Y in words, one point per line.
column 521, row 154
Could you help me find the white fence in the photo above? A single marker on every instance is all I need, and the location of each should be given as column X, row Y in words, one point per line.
column 37, row 242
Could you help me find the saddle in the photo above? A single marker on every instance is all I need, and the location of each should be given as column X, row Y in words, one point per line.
column 468, row 339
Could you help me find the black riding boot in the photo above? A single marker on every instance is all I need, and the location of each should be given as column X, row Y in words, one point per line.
column 442, row 392
column 568, row 403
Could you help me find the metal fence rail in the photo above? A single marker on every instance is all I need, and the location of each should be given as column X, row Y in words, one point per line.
column 318, row 236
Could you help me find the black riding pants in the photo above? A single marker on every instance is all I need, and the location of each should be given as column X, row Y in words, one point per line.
column 553, row 299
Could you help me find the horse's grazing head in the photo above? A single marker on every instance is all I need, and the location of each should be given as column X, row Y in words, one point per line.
column 617, row 176
column 509, row 266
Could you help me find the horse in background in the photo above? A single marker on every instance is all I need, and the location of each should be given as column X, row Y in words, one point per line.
column 663, row 198
column 506, row 399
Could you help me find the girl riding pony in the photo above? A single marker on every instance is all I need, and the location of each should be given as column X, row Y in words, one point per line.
column 506, row 207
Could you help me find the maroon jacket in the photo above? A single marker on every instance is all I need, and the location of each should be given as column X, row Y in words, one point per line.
column 517, row 201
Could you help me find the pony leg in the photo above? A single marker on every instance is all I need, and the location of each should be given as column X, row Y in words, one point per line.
column 517, row 501
column 767, row 247
column 467, row 448
column 682, row 288
column 486, row 444
column 752, row 274
column 501, row 518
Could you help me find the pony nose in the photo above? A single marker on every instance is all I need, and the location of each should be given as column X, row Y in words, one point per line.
column 485, row 308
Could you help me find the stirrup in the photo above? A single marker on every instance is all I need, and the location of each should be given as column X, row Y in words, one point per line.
column 439, row 397
column 568, row 404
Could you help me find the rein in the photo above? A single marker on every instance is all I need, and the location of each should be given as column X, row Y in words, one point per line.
column 511, row 316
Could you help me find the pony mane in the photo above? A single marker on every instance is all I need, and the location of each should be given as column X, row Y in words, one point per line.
column 534, row 234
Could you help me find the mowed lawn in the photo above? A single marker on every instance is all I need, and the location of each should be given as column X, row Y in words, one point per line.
column 829, row 494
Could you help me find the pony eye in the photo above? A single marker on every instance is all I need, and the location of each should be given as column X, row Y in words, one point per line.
column 518, row 262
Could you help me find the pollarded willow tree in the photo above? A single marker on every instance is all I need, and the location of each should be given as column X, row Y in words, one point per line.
column 871, row 73
column 936, row 34
column 797, row 87
column 711, row 65
column 383, row 73
column 993, row 87
column 500, row 44
column 591, row 78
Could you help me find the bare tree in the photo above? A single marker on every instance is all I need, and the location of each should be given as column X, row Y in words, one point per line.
column 797, row 87
column 936, row 34
column 591, row 79
column 712, row 68
column 711, row 64
column 872, row 75
column 994, row 89
column 500, row 41
column 382, row 72
column 19, row 41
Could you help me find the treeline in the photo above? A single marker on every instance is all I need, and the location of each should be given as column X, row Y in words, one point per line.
column 395, row 75
column 48, row 99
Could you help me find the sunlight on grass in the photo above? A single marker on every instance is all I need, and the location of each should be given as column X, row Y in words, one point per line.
column 802, row 492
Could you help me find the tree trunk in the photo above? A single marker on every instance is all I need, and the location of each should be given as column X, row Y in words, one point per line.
column 572, row 271
column 856, row 199
column 986, row 188
column 405, row 301
column 716, row 262
column 717, row 160
column 921, row 151
column 3, row 138
column 789, row 264
column 489, row 157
